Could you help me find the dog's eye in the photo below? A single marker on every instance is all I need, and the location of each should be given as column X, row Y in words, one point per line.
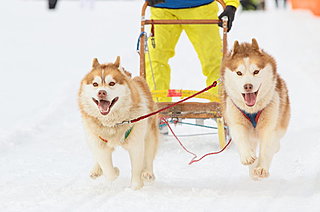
column 112, row 83
column 256, row 72
column 239, row 73
column 95, row 84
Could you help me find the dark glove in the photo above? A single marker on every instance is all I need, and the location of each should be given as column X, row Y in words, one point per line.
column 153, row 2
column 52, row 4
column 229, row 11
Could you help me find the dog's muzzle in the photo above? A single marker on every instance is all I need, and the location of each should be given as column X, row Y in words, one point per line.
column 105, row 106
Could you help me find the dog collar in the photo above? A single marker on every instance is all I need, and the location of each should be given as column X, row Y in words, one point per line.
column 126, row 135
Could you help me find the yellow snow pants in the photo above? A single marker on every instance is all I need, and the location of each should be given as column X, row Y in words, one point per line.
column 204, row 38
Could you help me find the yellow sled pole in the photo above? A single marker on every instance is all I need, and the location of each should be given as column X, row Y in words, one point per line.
column 221, row 132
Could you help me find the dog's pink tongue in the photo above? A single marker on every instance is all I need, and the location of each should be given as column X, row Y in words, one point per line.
column 250, row 99
column 104, row 107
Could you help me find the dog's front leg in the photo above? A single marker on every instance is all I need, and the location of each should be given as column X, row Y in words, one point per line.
column 96, row 171
column 246, row 147
column 269, row 138
column 151, row 144
column 136, row 156
column 135, row 146
column 103, row 155
column 269, row 145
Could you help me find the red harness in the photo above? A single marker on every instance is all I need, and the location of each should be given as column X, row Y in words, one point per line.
column 104, row 140
column 126, row 135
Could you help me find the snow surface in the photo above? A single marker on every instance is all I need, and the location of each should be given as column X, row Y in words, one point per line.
column 44, row 159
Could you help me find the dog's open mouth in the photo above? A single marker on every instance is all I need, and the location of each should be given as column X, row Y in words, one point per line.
column 105, row 105
column 250, row 98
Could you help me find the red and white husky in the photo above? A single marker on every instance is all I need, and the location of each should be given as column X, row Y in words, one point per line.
column 255, row 105
column 108, row 96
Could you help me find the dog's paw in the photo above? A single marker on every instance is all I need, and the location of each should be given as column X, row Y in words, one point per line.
column 253, row 176
column 96, row 172
column 260, row 172
column 112, row 176
column 136, row 185
column 147, row 176
column 248, row 158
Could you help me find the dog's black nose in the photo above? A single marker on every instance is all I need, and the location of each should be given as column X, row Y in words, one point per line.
column 248, row 87
column 102, row 94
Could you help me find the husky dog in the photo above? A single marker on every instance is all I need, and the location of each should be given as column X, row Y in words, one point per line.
column 256, row 105
column 107, row 97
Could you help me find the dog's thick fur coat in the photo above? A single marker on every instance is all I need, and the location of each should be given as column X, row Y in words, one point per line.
column 108, row 96
column 252, row 85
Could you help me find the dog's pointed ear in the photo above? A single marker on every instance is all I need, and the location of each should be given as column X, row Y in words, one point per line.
column 255, row 45
column 117, row 62
column 235, row 48
column 95, row 63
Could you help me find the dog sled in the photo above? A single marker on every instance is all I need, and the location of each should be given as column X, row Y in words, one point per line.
column 185, row 110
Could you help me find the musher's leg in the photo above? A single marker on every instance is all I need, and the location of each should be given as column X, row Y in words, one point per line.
column 206, row 41
column 166, row 38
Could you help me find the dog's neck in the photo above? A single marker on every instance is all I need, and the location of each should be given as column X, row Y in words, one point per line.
column 115, row 117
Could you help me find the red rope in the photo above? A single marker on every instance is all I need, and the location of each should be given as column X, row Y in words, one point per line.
column 194, row 155
column 185, row 149
column 214, row 84
column 212, row 153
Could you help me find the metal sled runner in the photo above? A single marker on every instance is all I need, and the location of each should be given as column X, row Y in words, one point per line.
column 192, row 110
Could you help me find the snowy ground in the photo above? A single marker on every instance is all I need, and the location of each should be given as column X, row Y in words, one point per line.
column 44, row 160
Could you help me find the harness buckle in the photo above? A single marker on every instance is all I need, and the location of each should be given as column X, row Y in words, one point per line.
column 123, row 123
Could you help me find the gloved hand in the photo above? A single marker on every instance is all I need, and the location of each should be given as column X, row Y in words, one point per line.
column 229, row 11
column 153, row 2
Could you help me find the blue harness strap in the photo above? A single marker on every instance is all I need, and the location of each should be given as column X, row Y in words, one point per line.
column 252, row 117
